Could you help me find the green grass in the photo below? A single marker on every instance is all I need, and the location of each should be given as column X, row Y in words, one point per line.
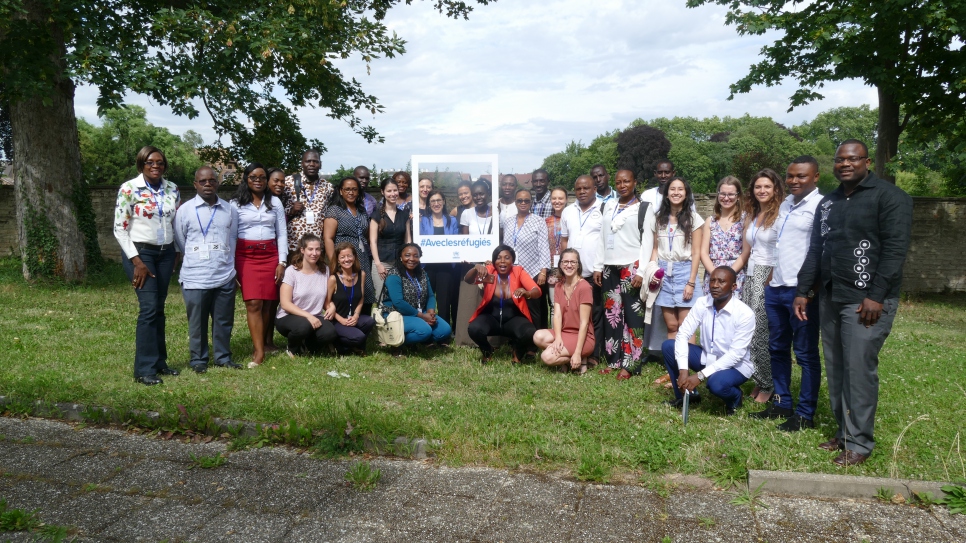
column 363, row 476
column 63, row 343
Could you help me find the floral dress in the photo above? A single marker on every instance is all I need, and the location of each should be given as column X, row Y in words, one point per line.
column 725, row 248
column 623, row 319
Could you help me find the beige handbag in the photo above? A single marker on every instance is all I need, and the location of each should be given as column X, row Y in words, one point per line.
column 389, row 323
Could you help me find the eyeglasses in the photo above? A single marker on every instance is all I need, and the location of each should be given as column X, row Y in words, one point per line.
column 727, row 195
column 152, row 163
column 349, row 189
column 211, row 182
column 522, row 201
column 568, row 262
column 257, row 178
column 434, row 202
column 850, row 160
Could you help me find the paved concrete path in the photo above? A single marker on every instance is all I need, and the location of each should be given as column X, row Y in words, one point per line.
column 115, row 486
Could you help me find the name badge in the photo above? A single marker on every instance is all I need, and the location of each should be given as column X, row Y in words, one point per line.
column 201, row 251
column 556, row 261
column 309, row 216
column 611, row 240
column 160, row 234
column 751, row 268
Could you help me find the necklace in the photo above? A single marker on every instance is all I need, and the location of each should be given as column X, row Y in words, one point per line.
column 571, row 293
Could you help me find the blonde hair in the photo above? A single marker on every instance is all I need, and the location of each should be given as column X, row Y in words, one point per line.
column 737, row 212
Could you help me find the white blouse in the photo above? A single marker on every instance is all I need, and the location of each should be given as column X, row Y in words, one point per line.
column 762, row 241
column 670, row 241
column 262, row 224
column 621, row 241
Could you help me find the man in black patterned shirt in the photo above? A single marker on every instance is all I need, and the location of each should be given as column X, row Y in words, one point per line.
column 854, row 264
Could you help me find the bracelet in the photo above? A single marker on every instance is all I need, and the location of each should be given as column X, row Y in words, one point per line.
column 690, row 284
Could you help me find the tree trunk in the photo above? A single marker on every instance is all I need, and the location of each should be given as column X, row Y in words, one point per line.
column 48, row 183
column 887, row 139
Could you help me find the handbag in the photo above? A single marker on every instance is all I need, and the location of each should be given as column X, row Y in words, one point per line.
column 389, row 323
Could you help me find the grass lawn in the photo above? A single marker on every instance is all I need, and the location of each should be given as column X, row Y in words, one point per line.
column 75, row 343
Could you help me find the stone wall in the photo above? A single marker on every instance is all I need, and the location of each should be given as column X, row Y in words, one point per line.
column 936, row 262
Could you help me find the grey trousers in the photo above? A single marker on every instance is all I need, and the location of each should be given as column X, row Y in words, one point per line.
column 852, row 368
column 219, row 304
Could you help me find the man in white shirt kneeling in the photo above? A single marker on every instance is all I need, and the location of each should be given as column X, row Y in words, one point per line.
column 723, row 359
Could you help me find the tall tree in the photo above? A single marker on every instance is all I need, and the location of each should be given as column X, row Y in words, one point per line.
column 909, row 50
column 232, row 58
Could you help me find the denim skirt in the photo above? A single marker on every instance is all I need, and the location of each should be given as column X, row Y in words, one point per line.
column 672, row 287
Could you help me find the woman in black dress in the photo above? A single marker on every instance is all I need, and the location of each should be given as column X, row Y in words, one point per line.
column 389, row 230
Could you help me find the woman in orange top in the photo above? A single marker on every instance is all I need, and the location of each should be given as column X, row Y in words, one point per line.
column 503, row 311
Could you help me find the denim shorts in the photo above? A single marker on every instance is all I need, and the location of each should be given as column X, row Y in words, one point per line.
column 672, row 287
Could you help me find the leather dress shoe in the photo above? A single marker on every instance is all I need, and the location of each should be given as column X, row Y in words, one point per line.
column 832, row 445
column 850, row 458
column 772, row 411
column 169, row 371
column 200, row 368
column 679, row 402
column 231, row 365
column 796, row 423
column 148, row 380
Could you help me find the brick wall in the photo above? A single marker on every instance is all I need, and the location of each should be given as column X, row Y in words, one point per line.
column 936, row 262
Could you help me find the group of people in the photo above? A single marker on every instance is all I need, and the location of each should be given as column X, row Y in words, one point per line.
column 584, row 282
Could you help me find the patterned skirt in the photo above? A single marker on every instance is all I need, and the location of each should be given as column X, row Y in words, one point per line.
column 754, row 296
column 623, row 339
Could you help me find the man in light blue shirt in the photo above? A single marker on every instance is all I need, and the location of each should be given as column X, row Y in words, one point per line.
column 205, row 232
column 723, row 359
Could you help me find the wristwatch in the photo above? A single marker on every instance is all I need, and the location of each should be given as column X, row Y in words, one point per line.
column 811, row 294
column 700, row 376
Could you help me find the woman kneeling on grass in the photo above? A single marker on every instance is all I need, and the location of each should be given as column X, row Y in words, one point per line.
column 503, row 311
column 409, row 292
column 572, row 338
column 346, row 290
column 302, row 315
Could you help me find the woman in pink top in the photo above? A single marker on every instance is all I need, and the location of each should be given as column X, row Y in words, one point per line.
column 572, row 338
column 302, row 315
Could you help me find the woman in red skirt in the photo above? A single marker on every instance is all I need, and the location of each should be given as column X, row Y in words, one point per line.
column 260, row 257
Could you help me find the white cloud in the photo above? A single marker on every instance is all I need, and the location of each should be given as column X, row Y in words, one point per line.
column 523, row 79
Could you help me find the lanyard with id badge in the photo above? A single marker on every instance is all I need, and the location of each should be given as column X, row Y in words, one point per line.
column 611, row 235
column 159, row 203
column 309, row 214
column 578, row 241
column 203, row 249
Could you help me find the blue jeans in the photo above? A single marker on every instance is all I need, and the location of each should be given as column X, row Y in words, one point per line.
column 723, row 383
column 785, row 333
column 419, row 331
column 219, row 304
column 150, row 350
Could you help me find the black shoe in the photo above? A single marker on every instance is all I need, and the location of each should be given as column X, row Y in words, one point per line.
column 169, row 371
column 796, row 423
column 231, row 365
column 679, row 402
column 772, row 412
column 200, row 368
column 148, row 380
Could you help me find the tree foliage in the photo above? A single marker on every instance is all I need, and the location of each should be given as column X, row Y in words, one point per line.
column 576, row 159
column 108, row 151
column 639, row 147
column 910, row 50
column 249, row 64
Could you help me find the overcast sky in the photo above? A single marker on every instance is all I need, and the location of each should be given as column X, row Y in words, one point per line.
column 522, row 79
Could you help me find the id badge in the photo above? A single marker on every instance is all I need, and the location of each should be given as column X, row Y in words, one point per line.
column 160, row 234
column 362, row 247
column 610, row 240
column 710, row 359
column 203, row 252
column 556, row 261
column 577, row 242
column 309, row 216
column 751, row 269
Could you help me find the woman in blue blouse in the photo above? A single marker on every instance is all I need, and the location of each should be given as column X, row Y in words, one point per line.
column 408, row 291
column 438, row 221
